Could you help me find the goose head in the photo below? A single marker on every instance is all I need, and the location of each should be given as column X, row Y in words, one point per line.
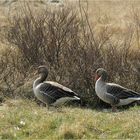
column 101, row 73
column 43, row 71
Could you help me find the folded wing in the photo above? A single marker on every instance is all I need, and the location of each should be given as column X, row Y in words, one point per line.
column 121, row 92
column 55, row 91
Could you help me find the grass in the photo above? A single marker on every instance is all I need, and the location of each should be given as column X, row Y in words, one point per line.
column 24, row 119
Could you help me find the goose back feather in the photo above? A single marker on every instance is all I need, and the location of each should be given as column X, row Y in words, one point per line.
column 121, row 92
column 50, row 92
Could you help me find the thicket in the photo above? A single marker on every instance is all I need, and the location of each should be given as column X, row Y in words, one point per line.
column 66, row 42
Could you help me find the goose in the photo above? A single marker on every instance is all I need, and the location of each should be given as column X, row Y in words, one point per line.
column 52, row 93
column 111, row 93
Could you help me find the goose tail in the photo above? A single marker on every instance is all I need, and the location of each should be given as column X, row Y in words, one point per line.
column 77, row 98
column 128, row 100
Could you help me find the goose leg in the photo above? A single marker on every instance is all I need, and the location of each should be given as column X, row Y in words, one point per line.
column 114, row 108
column 47, row 106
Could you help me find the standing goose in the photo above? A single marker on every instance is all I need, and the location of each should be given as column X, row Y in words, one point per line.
column 111, row 93
column 52, row 93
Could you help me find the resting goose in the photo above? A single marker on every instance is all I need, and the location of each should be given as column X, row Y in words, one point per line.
column 52, row 93
column 111, row 93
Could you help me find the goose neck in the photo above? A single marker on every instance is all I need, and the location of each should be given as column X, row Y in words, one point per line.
column 39, row 80
column 100, row 81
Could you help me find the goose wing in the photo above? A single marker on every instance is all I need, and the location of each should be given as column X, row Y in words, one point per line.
column 121, row 92
column 56, row 91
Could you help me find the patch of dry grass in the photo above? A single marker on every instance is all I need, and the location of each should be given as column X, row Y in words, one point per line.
column 115, row 26
column 24, row 119
column 73, row 44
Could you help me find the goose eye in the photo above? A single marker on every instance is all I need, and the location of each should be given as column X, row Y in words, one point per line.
column 39, row 70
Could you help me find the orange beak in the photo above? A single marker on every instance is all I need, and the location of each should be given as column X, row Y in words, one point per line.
column 96, row 77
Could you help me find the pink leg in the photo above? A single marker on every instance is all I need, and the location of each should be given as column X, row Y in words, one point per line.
column 114, row 108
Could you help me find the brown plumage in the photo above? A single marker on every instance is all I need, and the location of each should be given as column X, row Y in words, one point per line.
column 52, row 93
column 111, row 93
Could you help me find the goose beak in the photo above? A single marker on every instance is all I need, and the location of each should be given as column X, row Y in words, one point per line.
column 96, row 77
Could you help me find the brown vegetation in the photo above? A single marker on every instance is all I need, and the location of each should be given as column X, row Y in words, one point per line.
column 65, row 41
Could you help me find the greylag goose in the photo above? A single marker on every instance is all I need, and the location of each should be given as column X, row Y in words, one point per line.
column 52, row 93
column 111, row 93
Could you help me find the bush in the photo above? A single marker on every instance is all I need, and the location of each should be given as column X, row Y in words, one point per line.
column 64, row 40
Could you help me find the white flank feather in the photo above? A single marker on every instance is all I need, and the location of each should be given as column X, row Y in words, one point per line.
column 127, row 101
column 77, row 98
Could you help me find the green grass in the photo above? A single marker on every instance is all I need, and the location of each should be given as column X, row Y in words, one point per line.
column 24, row 119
